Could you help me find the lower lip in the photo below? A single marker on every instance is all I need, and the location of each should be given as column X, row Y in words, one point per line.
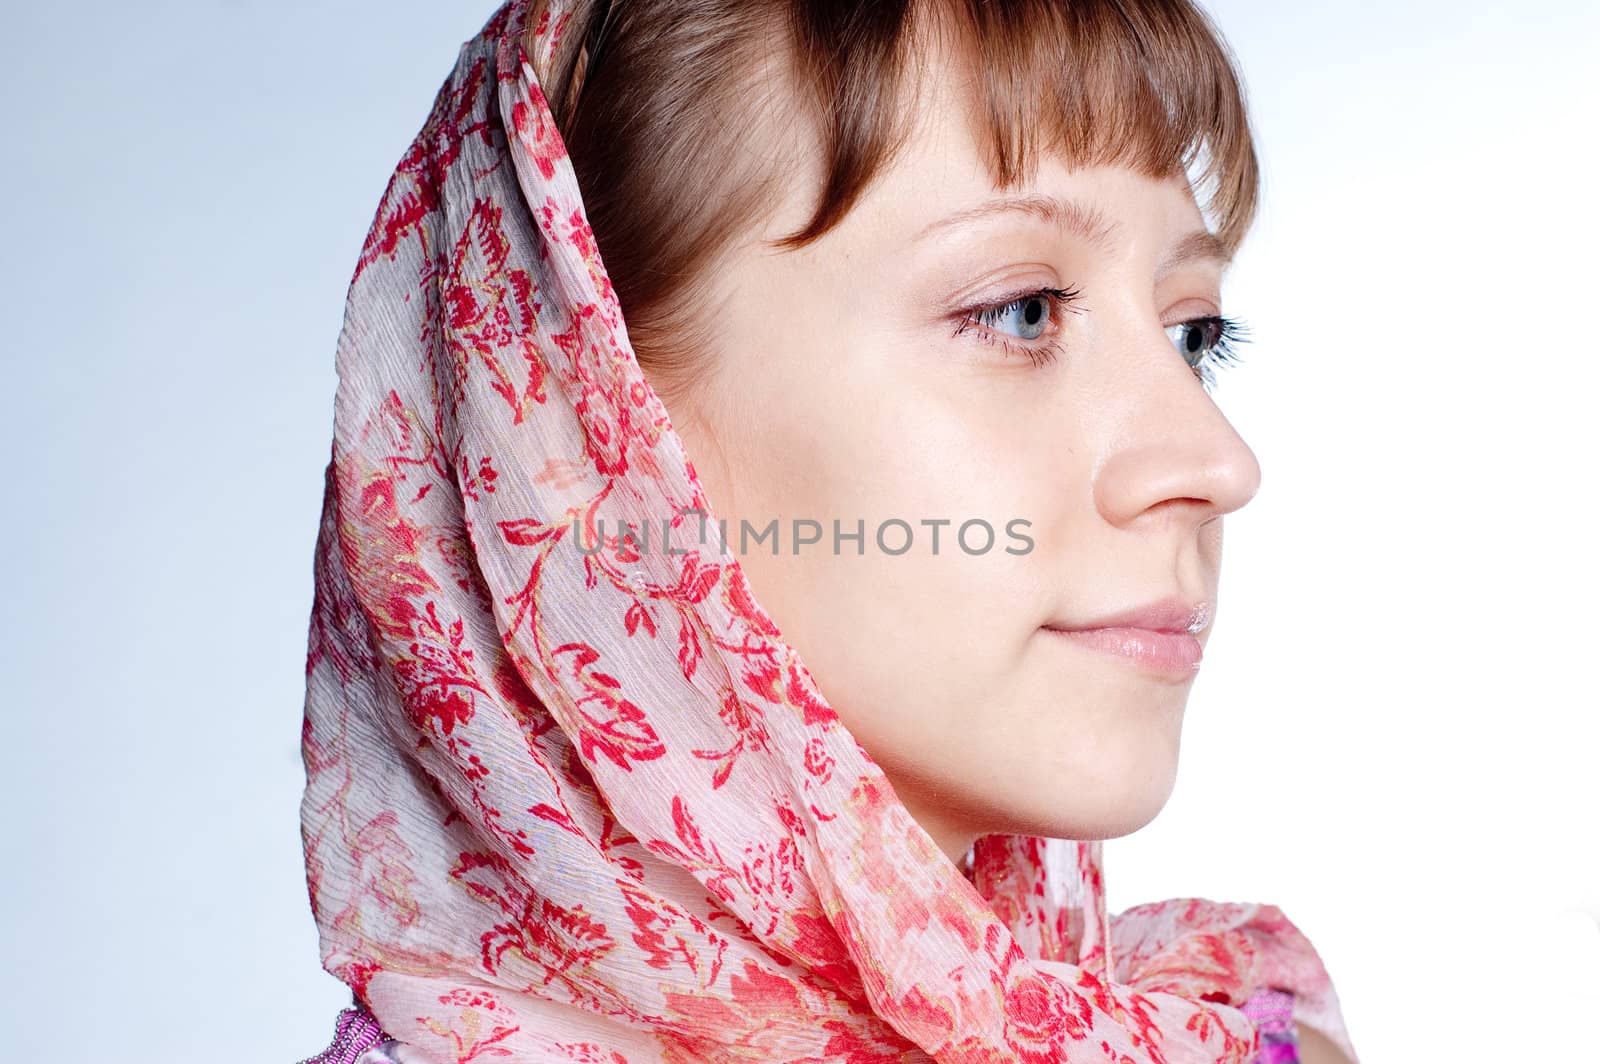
column 1173, row 654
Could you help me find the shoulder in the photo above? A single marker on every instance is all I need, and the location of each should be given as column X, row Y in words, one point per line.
column 1315, row 1047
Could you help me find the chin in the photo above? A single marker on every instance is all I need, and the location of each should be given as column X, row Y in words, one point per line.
column 1135, row 812
column 1102, row 807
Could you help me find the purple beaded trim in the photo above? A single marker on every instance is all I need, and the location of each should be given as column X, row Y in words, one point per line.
column 355, row 1031
column 1272, row 1011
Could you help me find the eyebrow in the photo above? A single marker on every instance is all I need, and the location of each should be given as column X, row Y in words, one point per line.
column 1198, row 246
column 1086, row 221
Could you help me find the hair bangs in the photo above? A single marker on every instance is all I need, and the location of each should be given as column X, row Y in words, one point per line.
column 1150, row 86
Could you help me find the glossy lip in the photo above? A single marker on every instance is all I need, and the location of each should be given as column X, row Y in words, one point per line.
column 1161, row 636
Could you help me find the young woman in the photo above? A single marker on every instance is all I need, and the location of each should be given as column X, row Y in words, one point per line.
column 772, row 528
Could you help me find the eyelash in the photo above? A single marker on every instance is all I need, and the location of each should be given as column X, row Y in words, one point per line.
column 1059, row 298
column 1223, row 351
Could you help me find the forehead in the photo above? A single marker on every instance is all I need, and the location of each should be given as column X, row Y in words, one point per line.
column 942, row 172
column 939, row 188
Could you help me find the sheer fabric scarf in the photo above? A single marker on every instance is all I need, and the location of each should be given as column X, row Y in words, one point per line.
column 576, row 804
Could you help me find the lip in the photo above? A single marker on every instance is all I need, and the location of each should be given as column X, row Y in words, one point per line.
column 1160, row 637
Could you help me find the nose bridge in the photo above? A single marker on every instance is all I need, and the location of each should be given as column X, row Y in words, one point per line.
column 1170, row 442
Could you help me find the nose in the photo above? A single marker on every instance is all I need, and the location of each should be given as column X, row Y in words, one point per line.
column 1174, row 450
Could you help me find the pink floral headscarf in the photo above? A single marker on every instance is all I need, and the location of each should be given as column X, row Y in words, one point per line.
column 585, row 806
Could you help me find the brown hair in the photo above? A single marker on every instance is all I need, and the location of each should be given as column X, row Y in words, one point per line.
column 665, row 106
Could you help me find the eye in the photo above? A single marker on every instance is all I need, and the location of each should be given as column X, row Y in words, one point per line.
column 1025, row 317
column 1208, row 343
column 1030, row 314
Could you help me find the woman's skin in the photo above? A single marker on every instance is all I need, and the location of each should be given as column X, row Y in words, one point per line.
column 837, row 389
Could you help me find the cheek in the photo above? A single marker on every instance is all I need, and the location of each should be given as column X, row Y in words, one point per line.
column 932, row 661
column 903, row 645
column 929, row 658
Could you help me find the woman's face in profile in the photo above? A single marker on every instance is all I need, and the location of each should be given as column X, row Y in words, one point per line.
column 1019, row 365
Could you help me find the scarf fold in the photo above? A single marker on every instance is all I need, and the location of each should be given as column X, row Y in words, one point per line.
column 566, row 803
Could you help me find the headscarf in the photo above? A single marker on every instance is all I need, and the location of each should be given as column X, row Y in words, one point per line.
column 579, row 804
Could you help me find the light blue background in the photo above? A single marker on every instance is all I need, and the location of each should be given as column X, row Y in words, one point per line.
column 1407, row 606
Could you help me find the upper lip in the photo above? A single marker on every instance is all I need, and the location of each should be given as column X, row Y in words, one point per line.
column 1164, row 615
